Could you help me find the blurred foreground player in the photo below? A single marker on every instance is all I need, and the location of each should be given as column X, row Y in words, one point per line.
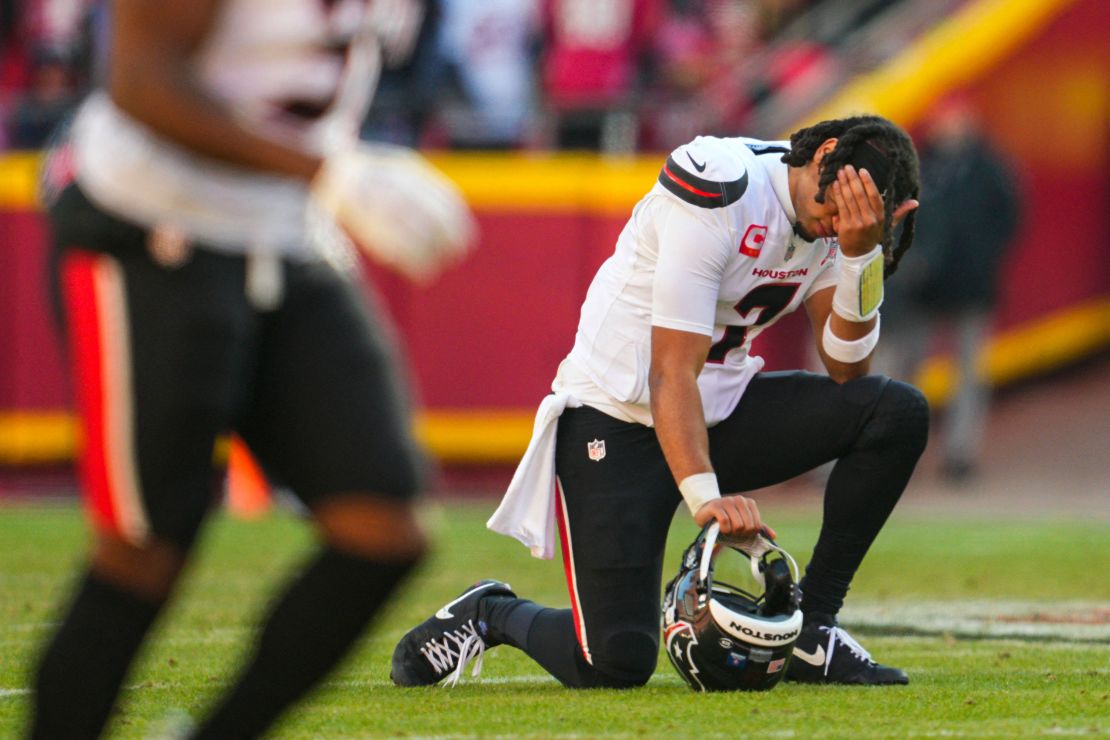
column 660, row 401
column 204, row 287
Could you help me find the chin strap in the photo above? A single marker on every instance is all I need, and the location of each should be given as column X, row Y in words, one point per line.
column 755, row 546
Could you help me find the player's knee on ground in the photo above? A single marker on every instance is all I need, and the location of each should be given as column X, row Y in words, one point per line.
column 900, row 416
column 626, row 659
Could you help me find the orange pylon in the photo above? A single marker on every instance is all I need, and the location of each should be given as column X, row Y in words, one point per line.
column 248, row 492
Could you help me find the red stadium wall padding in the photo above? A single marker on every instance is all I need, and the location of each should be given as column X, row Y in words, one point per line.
column 31, row 375
column 1048, row 107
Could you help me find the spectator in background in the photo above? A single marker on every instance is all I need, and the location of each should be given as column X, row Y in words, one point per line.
column 15, row 61
column 738, row 36
column 13, row 57
column 714, row 67
column 700, row 86
column 489, row 49
column 596, row 58
column 51, row 95
column 44, row 66
column 950, row 280
column 405, row 98
column 685, row 48
column 800, row 69
column 777, row 14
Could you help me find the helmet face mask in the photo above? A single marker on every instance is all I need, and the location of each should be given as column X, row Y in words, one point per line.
column 722, row 638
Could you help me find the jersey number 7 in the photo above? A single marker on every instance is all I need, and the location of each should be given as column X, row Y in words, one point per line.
column 771, row 298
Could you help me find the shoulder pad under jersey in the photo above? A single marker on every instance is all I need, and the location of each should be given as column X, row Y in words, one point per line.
column 705, row 174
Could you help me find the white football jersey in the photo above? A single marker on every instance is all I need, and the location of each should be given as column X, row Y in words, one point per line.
column 710, row 249
column 300, row 70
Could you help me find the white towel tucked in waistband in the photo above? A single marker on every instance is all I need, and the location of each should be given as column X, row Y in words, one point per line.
column 527, row 512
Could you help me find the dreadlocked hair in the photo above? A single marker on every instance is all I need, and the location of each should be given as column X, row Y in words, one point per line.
column 880, row 146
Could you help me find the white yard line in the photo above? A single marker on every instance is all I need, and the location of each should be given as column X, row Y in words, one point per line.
column 1066, row 621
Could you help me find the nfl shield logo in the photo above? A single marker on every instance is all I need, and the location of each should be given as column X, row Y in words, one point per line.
column 596, row 449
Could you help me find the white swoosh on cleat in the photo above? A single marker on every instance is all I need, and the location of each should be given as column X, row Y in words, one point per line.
column 817, row 657
column 445, row 611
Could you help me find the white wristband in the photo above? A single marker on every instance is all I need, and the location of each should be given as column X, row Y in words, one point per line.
column 850, row 351
column 859, row 288
column 699, row 489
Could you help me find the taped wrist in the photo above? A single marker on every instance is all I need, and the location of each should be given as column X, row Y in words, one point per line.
column 859, row 289
column 699, row 489
column 850, row 351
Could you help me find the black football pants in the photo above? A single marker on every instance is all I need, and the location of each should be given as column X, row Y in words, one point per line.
column 310, row 384
column 614, row 512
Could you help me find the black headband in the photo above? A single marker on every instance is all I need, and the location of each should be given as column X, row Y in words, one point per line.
column 868, row 157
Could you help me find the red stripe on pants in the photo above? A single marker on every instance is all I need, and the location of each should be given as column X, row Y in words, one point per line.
column 78, row 274
column 568, row 567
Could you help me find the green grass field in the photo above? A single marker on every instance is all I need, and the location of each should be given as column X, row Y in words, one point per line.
column 945, row 598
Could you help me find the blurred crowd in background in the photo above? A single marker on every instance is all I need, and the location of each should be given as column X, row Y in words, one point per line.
column 615, row 76
column 625, row 76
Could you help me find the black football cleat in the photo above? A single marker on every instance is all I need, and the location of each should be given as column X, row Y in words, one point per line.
column 445, row 642
column 826, row 653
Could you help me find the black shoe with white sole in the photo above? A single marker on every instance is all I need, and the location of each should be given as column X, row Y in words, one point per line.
column 826, row 653
column 445, row 642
